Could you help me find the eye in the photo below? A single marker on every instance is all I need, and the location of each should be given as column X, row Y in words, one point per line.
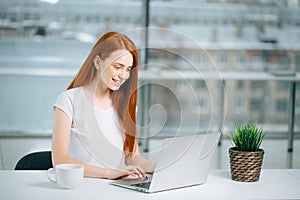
column 117, row 66
column 129, row 69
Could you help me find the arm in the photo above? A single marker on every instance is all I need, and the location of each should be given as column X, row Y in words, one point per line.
column 138, row 160
column 60, row 148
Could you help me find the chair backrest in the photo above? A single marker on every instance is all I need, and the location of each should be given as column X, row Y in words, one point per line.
column 35, row 161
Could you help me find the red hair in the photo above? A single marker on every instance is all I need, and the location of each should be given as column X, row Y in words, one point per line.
column 124, row 100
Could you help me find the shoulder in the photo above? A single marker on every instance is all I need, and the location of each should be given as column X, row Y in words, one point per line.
column 65, row 101
column 68, row 94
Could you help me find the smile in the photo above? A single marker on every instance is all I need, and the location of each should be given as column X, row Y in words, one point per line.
column 117, row 81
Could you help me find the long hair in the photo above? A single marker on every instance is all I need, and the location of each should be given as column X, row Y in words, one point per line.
column 124, row 100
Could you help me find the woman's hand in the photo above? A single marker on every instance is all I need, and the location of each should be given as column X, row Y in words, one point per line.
column 138, row 160
column 127, row 171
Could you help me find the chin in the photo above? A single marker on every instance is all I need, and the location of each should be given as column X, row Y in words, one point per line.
column 115, row 88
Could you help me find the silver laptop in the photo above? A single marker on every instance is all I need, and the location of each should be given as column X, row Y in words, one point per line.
column 184, row 161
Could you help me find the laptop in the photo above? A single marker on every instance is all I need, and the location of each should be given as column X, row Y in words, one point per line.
column 184, row 161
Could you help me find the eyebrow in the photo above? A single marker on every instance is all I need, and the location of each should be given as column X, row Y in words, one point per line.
column 122, row 64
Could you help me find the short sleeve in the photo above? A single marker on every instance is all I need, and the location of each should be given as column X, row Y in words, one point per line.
column 64, row 102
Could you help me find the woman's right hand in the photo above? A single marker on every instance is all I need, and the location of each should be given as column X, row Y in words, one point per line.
column 127, row 171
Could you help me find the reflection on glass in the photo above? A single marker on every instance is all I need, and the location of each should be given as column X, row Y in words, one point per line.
column 190, row 36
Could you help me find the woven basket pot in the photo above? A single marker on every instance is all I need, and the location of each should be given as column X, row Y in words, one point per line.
column 245, row 166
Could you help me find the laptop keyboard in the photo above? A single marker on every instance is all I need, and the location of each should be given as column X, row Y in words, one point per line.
column 145, row 185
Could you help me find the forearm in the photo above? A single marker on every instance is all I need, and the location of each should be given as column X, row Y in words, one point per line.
column 89, row 170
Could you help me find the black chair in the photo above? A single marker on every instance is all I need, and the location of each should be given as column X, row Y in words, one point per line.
column 35, row 161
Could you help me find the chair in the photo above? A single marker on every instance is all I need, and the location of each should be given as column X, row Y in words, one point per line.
column 35, row 161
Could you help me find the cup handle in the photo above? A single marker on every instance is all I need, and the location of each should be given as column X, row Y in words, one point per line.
column 51, row 175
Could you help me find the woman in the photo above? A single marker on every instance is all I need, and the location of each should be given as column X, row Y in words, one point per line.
column 95, row 119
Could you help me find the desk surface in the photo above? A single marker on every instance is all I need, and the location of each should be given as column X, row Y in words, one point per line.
column 274, row 184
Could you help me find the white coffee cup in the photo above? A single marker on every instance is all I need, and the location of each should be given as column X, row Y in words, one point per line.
column 68, row 176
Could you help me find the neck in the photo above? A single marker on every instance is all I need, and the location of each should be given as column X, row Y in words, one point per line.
column 99, row 94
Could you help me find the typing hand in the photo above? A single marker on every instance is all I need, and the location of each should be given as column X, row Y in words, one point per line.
column 132, row 171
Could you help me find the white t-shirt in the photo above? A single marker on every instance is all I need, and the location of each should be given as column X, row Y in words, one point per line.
column 96, row 137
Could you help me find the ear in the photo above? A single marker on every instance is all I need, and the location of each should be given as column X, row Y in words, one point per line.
column 97, row 62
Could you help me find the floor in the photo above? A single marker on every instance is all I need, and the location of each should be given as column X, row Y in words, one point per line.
column 275, row 157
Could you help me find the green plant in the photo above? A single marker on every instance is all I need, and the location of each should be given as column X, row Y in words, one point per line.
column 248, row 137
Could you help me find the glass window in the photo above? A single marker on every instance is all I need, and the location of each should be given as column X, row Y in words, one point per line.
column 222, row 61
column 203, row 61
column 185, row 31
column 283, row 85
column 255, row 105
column 240, row 85
column 297, row 107
column 257, row 85
column 281, row 105
column 239, row 105
column 256, row 62
column 182, row 85
column 284, row 62
column 298, row 63
column 240, row 61
column 202, row 106
column 200, row 84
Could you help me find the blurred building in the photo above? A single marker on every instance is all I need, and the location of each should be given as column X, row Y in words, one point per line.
column 234, row 35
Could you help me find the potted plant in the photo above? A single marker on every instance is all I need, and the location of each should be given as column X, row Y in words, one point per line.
column 246, row 157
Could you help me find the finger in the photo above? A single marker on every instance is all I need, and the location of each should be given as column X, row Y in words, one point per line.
column 134, row 171
column 141, row 172
column 138, row 171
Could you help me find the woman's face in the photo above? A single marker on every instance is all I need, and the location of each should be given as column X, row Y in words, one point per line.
column 115, row 69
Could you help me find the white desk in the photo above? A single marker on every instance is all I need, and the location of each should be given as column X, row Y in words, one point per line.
column 274, row 184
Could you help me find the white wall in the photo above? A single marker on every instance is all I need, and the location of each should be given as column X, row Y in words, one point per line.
column 13, row 148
